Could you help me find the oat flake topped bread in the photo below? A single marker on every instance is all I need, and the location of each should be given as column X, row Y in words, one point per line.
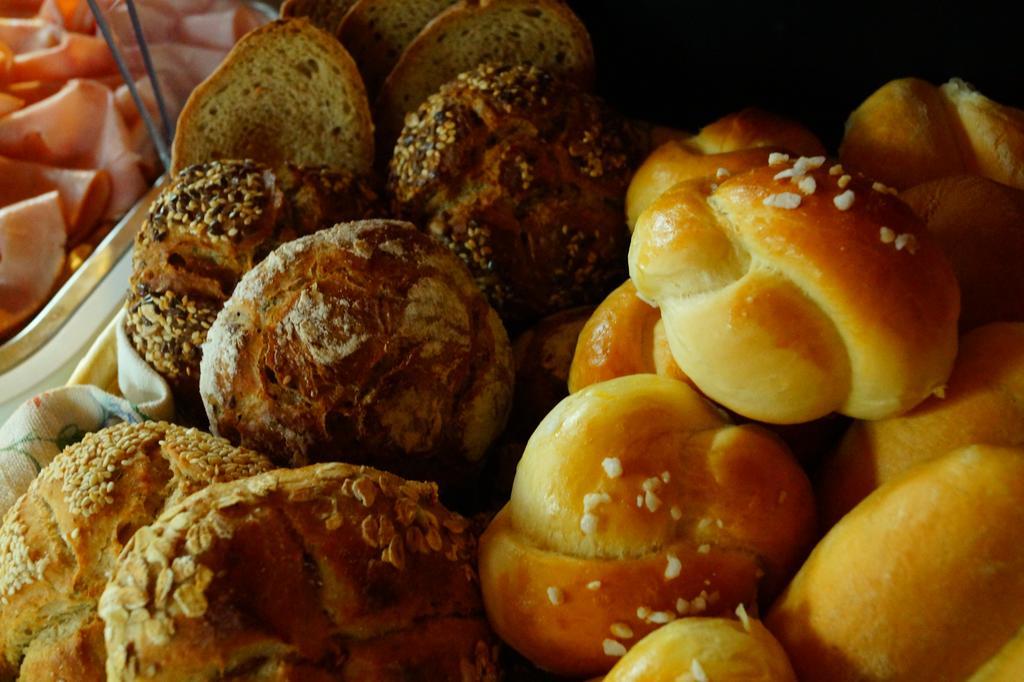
column 368, row 343
column 59, row 542
column 524, row 177
column 204, row 231
column 330, row 572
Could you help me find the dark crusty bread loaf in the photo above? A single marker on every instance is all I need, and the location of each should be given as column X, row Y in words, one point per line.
column 327, row 14
column 376, row 32
column 205, row 230
column 523, row 176
column 330, row 572
column 367, row 343
column 544, row 33
column 60, row 541
column 287, row 92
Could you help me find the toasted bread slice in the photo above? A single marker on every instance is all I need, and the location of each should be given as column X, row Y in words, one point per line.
column 286, row 92
column 544, row 33
column 327, row 14
column 376, row 32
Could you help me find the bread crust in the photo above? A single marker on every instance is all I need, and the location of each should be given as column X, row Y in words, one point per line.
column 367, row 342
column 923, row 580
column 720, row 648
column 206, row 229
column 331, row 571
column 60, row 541
column 523, row 176
column 909, row 131
column 835, row 301
column 736, row 143
column 694, row 517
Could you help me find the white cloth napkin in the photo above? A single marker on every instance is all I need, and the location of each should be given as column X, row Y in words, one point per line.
column 46, row 424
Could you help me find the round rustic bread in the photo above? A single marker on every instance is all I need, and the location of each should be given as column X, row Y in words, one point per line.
column 205, row 230
column 329, row 572
column 523, row 176
column 364, row 343
column 59, row 542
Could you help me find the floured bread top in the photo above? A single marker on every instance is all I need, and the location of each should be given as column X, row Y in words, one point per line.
column 367, row 342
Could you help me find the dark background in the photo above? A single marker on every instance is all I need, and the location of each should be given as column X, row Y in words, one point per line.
column 684, row 64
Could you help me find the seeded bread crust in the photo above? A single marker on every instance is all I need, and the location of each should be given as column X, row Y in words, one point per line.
column 330, row 572
column 204, row 231
column 59, row 542
column 523, row 176
column 365, row 343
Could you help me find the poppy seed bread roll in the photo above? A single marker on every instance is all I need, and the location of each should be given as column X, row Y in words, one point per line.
column 60, row 541
column 795, row 289
column 524, row 177
column 328, row 572
column 368, row 343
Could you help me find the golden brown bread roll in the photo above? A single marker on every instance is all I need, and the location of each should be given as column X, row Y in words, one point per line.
column 637, row 502
column 523, row 176
column 1006, row 666
column 735, row 143
column 794, row 290
column 329, row 572
column 206, row 229
column 982, row 403
column 367, row 342
column 909, row 131
column 979, row 223
column 924, row 580
column 624, row 336
column 704, row 649
column 60, row 541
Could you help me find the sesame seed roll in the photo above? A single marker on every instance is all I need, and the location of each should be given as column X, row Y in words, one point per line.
column 524, row 177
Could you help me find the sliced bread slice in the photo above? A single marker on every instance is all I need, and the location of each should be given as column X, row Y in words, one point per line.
column 544, row 33
column 327, row 14
column 376, row 32
column 286, row 92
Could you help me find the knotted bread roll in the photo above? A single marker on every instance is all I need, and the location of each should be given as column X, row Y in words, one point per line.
column 732, row 144
column 795, row 290
column 982, row 403
column 624, row 336
column 61, row 539
column 636, row 502
column 923, row 580
column 329, row 572
column 909, row 131
column 366, row 342
column 698, row 649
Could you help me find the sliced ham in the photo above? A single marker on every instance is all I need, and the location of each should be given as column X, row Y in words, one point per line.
column 9, row 103
column 79, row 127
column 74, row 15
column 19, row 8
column 76, row 56
column 32, row 238
column 220, row 29
column 32, row 91
column 83, row 193
column 25, row 35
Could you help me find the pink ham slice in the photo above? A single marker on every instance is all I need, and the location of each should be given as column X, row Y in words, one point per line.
column 32, row 239
column 79, row 127
column 220, row 29
column 83, row 193
column 75, row 56
column 19, row 8
column 9, row 103
column 26, row 35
